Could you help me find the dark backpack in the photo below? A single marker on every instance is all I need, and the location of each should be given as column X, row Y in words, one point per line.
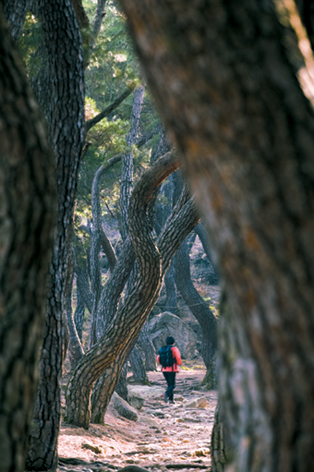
column 166, row 358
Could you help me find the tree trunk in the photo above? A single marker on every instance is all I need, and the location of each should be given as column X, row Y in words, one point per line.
column 66, row 125
column 137, row 366
column 75, row 346
column 133, row 312
column 147, row 348
column 182, row 220
column 15, row 12
column 228, row 92
column 79, row 313
column 199, row 309
column 122, row 387
column 27, row 208
column 171, row 293
column 127, row 161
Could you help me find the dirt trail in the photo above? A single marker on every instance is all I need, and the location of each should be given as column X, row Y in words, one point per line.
column 165, row 437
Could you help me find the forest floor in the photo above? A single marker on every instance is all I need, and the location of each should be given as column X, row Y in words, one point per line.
column 164, row 438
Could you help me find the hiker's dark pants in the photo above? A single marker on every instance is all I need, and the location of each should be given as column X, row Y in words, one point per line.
column 171, row 382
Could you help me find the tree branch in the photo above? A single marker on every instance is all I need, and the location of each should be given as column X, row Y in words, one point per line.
column 93, row 121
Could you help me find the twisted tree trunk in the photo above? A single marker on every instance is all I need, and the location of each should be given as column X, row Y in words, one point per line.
column 132, row 314
column 180, row 223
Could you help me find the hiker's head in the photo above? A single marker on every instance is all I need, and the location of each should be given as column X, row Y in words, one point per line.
column 170, row 340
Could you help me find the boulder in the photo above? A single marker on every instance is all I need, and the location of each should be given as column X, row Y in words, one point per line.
column 146, row 392
column 200, row 402
column 135, row 400
column 167, row 324
column 123, row 408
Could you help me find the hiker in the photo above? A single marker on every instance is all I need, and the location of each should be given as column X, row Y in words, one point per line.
column 169, row 357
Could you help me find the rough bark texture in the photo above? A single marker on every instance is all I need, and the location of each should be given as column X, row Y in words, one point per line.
column 228, row 93
column 182, row 220
column 127, row 161
column 137, row 366
column 27, row 209
column 99, row 239
column 66, row 126
column 75, row 346
column 132, row 314
column 147, row 348
column 15, row 12
column 79, row 313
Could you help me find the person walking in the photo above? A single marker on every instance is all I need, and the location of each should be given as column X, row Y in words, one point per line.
column 170, row 358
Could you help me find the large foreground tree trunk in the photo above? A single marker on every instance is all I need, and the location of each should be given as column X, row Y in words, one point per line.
column 27, row 208
column 227, row 90
column 66, row 126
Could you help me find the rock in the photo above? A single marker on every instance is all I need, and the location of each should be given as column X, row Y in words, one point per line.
column 123, row 408
column 147, row 392
column 149, row 421
column 167, row 324
column 200, row 402
column 178, row 398
column 135, row 400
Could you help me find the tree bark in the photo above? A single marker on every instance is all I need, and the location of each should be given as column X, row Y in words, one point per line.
column 223, row 80
column 66, row 126
column 75, row 346
column 137, row 366
column 27, row 208
column 127, row 161
column 147, row 348
column 199, row 309
column 132, row 314
column 15, row 12
column 79, row 313
column 182, row 220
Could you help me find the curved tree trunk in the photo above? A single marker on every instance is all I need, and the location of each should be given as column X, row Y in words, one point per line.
column 27, row 208
column 98, row 238
column 180, row 223
column 66, row 126
column 132, row 314
column 228, row 91
column 199, row 309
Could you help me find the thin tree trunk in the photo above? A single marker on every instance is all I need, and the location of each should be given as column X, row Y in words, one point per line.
column 79, row 313
column 75, row 347
column 127, row 161
column 27, row 208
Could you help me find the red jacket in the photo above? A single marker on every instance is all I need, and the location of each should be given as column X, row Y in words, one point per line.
column 177, row 361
